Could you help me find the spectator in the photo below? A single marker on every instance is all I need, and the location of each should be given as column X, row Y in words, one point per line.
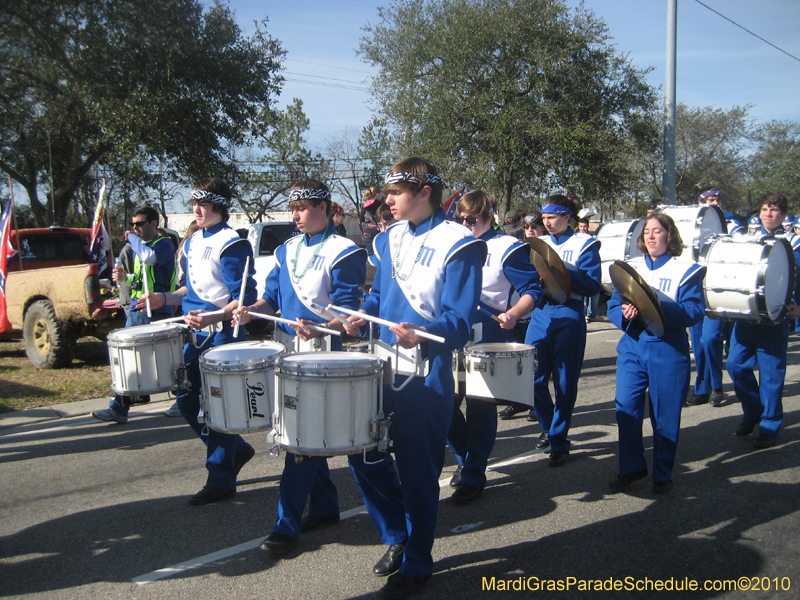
column 512, row 226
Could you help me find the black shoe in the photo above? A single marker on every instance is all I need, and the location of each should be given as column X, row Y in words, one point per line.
column 210, row 495
column 455, row 481
column 311, row 522
column 765, row 441
column 277, row 543
column 531, row 418
column 244, row 455
column 625, row 479
column 543, row 442
column 716, row 398
column 662, row 487
column 400, row 586
column 745, row 427
column 509, row 411
column 557, row 458
column 465, row 494
column 390, row 562
column 697, row 400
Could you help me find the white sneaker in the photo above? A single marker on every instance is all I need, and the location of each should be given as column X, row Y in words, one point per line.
column 109, row 414
column 173, row 411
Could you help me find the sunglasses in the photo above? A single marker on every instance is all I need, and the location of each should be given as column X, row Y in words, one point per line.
column 138, row 223
column 468, row 220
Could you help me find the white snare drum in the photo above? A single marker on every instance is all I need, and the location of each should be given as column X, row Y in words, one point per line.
column 146, row 359
column 696, row 224
column 328, row 402
column 239, row 386
column 617, row 242
column 405, row 361
column 748, row 279
column 293, row 343
column 501, row 373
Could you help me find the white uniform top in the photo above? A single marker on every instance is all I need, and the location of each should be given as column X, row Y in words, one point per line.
column 665, row 280
column 422, row 287
column 571, row 250
column 313, row 287
column 496, row 290
column 205, row 266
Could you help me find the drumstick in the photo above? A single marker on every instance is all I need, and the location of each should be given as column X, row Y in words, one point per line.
column 332, row 313
column 146, row 291
column 241, row 294
column 288, row 322
column 490, row 314
column 205, row 314
column 366, row 317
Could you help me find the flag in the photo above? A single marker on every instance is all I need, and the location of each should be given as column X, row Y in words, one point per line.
column 101, row 241
column 7, row 252
column 450, row 206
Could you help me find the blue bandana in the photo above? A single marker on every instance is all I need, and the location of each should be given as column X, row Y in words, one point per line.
column 555, row 209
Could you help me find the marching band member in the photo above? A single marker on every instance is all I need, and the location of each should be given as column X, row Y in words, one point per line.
column 429, row 275
column 763, row 345
column 216, row 260
column 508, row 270
column 312, row 270
column 661, row 364
column 559, row 330
column 753, row 225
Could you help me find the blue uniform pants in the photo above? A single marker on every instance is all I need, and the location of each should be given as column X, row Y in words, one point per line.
column 664, row 369
column 707, row 340
column 299, row 481
column 472, row 438
column 405, row 509
column 560, row 345
column 222, row 448
column 765, row 346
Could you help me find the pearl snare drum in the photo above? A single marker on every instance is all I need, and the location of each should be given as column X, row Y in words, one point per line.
column 500, row 373
column 146, row 359
column 239, row 386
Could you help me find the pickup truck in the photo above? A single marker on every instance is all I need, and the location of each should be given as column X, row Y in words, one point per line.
column 53, row 295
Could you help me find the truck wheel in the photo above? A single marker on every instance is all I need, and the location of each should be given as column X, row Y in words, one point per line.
column 48, row 342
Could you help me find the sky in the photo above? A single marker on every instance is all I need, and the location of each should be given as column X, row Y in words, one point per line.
column 718, row 64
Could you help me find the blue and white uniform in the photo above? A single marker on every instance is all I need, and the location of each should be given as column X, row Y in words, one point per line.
column 507, row 273
column 559, row 333
column 763, row 345
column 215, row 266
column 661, row 364
column 437, row 285
column 329, row 270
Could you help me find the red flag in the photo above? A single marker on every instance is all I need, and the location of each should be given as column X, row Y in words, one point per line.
column 450, row 206
column 101, row 241
column 6, row 253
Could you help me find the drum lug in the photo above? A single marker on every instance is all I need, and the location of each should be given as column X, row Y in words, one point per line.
column 274, row 448
column 491, row 368
column 182, row 375
column 519, row 366
column 385, row 443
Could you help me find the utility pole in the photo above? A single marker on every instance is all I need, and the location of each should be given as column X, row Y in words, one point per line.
column 668, row 175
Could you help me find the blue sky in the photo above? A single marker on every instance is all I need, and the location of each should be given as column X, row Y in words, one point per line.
column 718, row 64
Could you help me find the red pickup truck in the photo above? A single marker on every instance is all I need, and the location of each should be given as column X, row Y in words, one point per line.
column 53, row 295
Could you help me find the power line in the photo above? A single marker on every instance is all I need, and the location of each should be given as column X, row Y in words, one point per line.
column 324, row 84
column 329, row 78
column 328, row 66
column 748, row 31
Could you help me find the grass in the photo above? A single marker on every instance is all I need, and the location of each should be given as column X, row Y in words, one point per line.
column 23, row 386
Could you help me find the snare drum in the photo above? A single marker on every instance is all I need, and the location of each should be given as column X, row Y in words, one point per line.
column 696, row 224
column 617, row 242
column 293, row 343
column 328, row 402
column 146, row 359
column 748, row 279
column 500, row 373
column 239, row 386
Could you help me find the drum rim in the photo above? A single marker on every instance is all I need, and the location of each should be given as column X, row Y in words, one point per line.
column 252, row 363
column 364, row 360
column 167, row 332
column 526, row 350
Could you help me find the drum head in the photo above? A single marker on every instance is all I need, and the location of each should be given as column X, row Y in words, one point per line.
column 630, row 285
column 320, row 363
column 152, row 331
column 499, row 349
column 778, row 280
column 243, row 353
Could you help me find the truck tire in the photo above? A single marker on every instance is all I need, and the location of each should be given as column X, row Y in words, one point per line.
column 48, row 342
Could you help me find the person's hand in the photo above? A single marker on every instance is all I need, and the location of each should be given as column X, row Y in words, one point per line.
column 242, row 315
column 405, row 336
column 198, row 319
column 356, row 323
column 629, row 312
column 793, row 311
column 118, row 274
column 507, row 320
column 157, row 300
column 304, row 332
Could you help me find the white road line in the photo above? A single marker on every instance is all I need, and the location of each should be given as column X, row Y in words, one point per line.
column 228, row 552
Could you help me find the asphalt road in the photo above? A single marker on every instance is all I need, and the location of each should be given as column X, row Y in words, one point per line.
column 95, row 510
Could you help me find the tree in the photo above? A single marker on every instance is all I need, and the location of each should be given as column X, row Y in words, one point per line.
column 287, row 159
column 775, row 164
column 505, row 94
column 96, row 82
column 711, row 145
column 359, row 161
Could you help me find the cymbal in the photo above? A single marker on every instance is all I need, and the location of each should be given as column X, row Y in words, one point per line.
column 555, row 279
column 630, row 285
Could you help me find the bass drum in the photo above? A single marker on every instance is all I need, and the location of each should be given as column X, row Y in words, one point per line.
column 748, row 279
column 617, row 242
column 696, row 225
